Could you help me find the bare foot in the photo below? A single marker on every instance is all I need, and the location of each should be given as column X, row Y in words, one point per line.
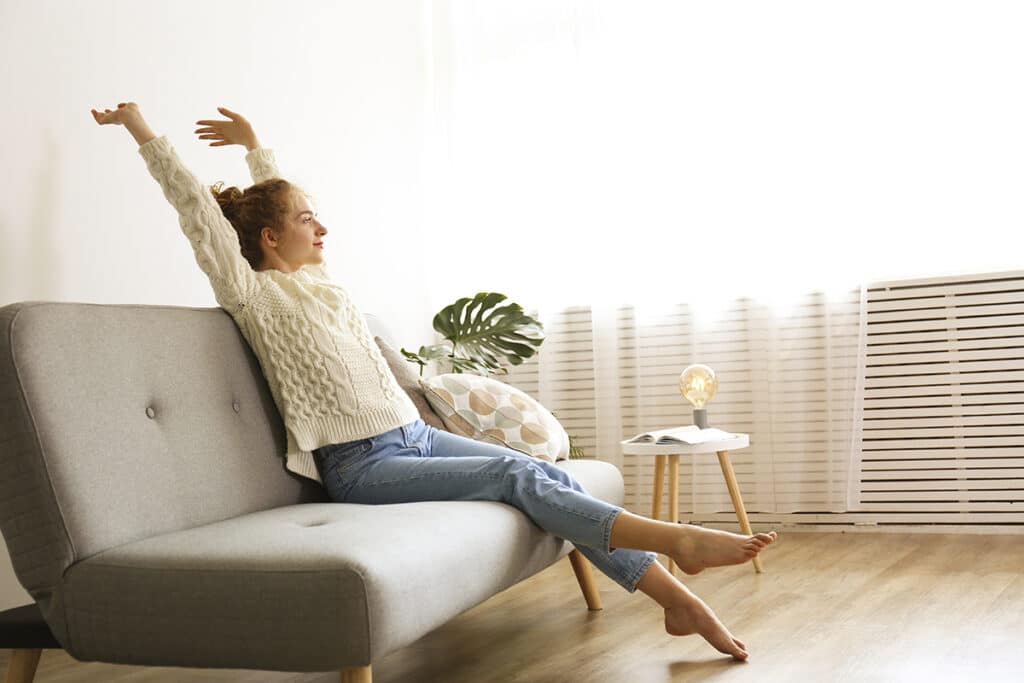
column 694, row 616
column 698, row 548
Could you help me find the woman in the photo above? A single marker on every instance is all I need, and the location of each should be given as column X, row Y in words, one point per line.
column 349, row 424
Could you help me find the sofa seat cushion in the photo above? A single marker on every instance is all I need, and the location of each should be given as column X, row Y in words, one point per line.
column 310, row 587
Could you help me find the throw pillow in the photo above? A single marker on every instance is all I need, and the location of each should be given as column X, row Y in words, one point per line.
column 485, row 409
column 409, row 380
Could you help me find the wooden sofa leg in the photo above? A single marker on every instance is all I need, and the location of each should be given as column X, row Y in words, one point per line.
column 585, row 576
column 22, row 666
column 357, row 674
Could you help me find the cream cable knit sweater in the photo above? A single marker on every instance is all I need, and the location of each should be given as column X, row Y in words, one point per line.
column 325, row 372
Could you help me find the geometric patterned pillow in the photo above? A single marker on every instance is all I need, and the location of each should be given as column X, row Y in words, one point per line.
column 485, row 409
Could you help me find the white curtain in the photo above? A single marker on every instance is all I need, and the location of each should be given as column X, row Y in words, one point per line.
column 655, row 154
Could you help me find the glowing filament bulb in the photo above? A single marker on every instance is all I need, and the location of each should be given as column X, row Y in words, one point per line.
column 698, row 384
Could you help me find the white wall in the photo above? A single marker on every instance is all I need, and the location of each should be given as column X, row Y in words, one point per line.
column 337, row 89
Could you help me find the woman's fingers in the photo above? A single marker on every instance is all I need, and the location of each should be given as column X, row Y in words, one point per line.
column 103, row 117
column 116, row 116
column 224, row 132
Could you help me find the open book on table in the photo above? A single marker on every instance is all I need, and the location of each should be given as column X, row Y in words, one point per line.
column 691, row 434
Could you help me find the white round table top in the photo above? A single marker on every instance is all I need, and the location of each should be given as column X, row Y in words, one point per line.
column 741, row 441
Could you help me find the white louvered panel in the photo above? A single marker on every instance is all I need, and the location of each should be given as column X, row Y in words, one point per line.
column 982, row 463
column 967, row 482
column 943, row 407
column 912, row 455
column 1000, row 412
column 952, row 394
column 932, row 506
column 936, row 340
column 931, row 366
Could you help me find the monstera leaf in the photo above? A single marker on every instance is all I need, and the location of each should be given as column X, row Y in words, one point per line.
column 482, row 334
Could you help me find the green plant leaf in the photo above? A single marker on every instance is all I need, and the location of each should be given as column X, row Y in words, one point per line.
column 484, row 334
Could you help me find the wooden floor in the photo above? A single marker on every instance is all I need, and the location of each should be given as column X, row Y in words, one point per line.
column 830, row 606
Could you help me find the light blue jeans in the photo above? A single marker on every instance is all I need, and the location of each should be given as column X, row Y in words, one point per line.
column 417, row 463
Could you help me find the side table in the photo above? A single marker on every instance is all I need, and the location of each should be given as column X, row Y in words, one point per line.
column 671, row 452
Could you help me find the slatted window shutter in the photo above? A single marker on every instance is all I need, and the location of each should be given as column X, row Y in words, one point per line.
column 943, row 404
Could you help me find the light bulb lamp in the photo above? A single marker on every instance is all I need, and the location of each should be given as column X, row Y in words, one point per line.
column 698, row 384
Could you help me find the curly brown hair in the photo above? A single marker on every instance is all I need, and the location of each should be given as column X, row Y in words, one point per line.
column 261, row 205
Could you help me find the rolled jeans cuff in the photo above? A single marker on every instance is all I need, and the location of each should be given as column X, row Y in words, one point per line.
column 606, row 528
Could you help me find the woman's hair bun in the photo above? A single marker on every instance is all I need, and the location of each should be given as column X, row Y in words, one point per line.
column 225, row 197
column 264, row 204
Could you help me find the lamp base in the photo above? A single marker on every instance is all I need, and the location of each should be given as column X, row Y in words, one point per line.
column 700, row 417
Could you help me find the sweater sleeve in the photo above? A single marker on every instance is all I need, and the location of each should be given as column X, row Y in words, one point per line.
column 214, row 241
column 262, row 165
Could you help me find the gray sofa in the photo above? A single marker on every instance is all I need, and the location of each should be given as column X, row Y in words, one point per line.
column 148, row 513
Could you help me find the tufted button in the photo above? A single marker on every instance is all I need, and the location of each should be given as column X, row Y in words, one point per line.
column 150, row 412
column 236, row 406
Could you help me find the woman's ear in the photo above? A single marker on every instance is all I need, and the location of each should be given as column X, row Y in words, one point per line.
column 267, row 235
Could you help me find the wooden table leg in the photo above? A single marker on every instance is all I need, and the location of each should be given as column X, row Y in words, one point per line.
column 659, row 485
column 673, row 498
column 737, row 500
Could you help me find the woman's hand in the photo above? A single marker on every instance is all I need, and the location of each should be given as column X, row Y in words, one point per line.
column 128, row 115
column 126, row 111
column 236, row 131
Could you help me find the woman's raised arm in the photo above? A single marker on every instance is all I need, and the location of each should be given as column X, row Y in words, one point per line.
column 213, row 239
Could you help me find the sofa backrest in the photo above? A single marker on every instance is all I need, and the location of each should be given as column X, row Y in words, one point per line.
column 121, row 422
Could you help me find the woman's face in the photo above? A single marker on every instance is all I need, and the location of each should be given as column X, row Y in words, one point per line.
column 300, row 243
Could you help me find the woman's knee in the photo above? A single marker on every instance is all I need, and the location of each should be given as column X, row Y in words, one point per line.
column 560, row 475
column 515, row 466
column 527, row 473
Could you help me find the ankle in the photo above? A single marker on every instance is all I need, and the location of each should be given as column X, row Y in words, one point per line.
column 664, row 588
column 640, row 533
